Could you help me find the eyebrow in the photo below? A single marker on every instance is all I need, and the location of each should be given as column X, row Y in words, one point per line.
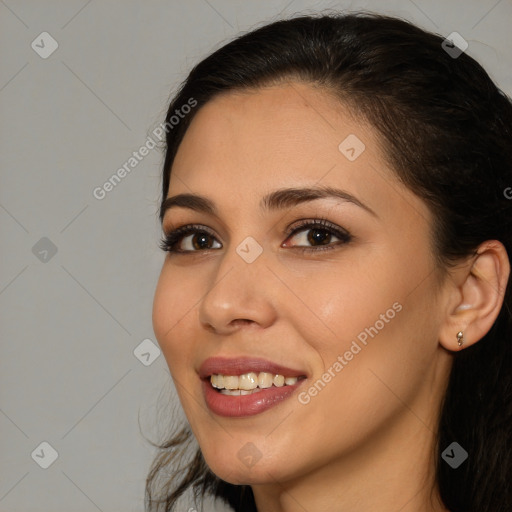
column 276, row 200
column 287, row 197
column 191, row 201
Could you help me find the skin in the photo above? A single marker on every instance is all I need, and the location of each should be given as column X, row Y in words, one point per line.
column 365, row 441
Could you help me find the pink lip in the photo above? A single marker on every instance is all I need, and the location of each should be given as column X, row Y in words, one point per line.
column 245, row 405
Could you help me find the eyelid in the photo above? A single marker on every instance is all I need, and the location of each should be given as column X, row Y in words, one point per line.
column 318, row 222
column 184, row 228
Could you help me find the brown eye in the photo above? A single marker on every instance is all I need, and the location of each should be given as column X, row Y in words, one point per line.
column 319, row 236
column 197, row 241
column 313, row 237
column 189, row 239
column 201, row 241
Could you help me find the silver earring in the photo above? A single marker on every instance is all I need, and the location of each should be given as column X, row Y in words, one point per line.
column 460, row 338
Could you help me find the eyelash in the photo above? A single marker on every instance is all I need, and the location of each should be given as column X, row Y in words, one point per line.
column 169, row 241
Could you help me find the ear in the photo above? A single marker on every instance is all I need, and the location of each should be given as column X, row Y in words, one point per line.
column 476, row 297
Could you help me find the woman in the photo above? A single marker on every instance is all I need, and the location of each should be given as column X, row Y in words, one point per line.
column 335, row 303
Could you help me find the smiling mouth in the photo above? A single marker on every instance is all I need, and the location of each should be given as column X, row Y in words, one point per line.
column 249, row 383
column 244, row 386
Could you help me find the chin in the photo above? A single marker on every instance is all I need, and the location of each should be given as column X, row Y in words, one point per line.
column 237, row 473
column 242, row 463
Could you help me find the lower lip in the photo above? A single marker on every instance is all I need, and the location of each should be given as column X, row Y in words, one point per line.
column 246, row 405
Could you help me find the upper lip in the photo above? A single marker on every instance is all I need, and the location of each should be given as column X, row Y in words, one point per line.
column 241, row 365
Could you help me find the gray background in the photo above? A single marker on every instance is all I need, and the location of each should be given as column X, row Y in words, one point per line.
column 70, row 322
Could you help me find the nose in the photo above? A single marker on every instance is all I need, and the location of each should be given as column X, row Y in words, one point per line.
column 238, row 295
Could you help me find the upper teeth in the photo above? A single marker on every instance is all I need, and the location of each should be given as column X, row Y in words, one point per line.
column 251, row 380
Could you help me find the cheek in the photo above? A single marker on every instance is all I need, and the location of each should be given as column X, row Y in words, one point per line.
column 338, row 301
column 174, row 314
column 174, row 307
column 373, row 318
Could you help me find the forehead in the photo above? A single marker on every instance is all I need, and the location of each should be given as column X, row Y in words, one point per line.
column 267, row 126
column 242, row 145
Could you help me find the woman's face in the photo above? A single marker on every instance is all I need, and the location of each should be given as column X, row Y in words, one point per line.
column 309, row 261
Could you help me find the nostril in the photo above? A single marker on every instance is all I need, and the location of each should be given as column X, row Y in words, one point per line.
column 241, row 321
